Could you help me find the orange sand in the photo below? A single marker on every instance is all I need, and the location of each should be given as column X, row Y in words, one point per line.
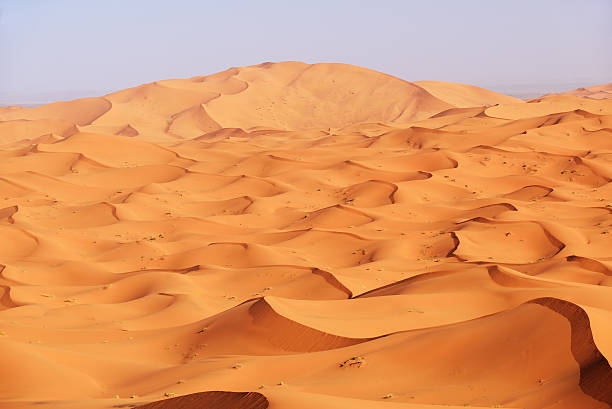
column 603, row 91
column 313, row 236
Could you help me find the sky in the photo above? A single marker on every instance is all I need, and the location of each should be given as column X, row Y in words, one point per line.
column 64, row 49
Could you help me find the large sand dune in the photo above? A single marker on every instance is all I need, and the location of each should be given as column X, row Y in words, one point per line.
column 307, row 236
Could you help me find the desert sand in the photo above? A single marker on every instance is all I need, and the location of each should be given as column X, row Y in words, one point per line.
column 307, row 236
column 603, row 91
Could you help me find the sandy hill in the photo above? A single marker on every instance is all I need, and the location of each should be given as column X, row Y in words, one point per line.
column 306, row 236
column 287, row 96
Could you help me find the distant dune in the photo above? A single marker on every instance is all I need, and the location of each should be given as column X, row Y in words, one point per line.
column 307, row 236
column 465, row 96
column 603, row 91
column 286, row 96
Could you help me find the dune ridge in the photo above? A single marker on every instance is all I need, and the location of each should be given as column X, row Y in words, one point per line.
column 289, row 235
column 603, row 91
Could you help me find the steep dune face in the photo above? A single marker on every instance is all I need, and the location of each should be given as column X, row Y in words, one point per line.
column 294, row 236
column 212, row 400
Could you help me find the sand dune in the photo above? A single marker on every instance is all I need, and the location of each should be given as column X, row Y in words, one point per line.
column 465, row 96
column 603, row 91
column 292, row 235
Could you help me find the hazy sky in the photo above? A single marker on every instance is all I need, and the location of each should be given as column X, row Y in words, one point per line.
column 58, row 49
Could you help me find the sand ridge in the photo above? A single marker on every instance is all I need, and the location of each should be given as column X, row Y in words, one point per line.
column 291, row 235
column 603, row 91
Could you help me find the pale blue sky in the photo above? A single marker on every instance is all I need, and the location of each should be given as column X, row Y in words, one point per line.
column 58, row 49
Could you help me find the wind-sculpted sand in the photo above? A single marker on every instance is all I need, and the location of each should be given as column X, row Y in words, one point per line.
column 306, row 236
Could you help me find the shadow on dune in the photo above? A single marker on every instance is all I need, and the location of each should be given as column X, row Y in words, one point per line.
column 595, row 371
column 212, row 400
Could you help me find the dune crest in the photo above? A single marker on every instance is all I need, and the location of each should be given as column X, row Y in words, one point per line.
column 292, row 236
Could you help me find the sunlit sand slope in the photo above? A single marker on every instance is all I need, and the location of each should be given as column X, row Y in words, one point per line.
column 306, row 236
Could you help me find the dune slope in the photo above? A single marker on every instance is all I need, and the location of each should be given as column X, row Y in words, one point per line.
column 292, row 235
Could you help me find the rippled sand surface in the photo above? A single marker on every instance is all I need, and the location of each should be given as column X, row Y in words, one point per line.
column 307, row 236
